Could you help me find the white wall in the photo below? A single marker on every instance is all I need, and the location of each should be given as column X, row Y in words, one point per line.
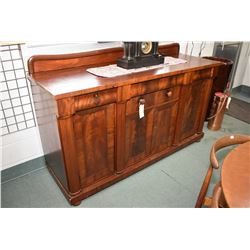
column 242, row 72
column 246, row 78
column 20, row 147
column 40, row 48
column 195, row 47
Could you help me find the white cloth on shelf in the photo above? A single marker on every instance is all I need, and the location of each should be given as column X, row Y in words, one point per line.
column 113, row 70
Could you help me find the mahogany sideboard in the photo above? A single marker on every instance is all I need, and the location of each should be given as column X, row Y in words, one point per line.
column 90, row 128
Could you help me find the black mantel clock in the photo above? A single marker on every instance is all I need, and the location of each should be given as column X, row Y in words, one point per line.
column 140, row 54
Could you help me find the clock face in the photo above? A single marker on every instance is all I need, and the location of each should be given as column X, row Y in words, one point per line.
column 146, row 47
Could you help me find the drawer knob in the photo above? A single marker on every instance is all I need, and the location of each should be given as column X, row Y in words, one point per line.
column 97, row 98
column 169, row 93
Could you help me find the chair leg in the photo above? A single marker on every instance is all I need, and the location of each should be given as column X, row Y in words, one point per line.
column 204, row 188
column 218, row 199
column 216, row 196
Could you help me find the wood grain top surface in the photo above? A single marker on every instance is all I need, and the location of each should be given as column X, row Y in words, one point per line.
column 76, row 81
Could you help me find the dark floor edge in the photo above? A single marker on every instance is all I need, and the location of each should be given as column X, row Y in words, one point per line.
column 239, row 109
column 245, row 89
column 22, row 169
column 236, row 118
column 242, row 90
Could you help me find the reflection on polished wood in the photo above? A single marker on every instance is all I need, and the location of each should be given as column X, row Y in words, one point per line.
column 97, row 132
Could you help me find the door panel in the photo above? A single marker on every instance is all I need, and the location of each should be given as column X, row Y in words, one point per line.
column 164, row 126
column 191, row 107
column 94, row 134
column 138, row 137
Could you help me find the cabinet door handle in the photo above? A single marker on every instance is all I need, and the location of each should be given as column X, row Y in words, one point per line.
column 169, row 93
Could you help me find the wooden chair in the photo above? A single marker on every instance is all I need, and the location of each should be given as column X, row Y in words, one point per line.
column 218, row 198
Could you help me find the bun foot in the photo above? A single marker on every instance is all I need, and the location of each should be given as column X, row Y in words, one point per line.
column 76, row 203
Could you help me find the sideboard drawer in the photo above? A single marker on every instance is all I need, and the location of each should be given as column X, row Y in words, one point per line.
column 152, row 99
column 201, row 74
column 155, row 85
column 95, row 99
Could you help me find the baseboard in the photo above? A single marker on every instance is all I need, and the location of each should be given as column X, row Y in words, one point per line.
column 22, row 169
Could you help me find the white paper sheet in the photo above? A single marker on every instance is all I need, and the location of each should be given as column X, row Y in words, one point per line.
column 141, row 111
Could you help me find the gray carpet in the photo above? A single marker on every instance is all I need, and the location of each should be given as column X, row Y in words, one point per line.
column 239, row 109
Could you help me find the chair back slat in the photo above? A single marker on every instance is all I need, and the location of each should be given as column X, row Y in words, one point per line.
column 225, row 142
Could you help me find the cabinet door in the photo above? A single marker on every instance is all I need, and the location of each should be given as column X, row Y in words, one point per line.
column 154, row 132
column 94, row 135
column 138, row 134
column 164, row 122
column 193, row 104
